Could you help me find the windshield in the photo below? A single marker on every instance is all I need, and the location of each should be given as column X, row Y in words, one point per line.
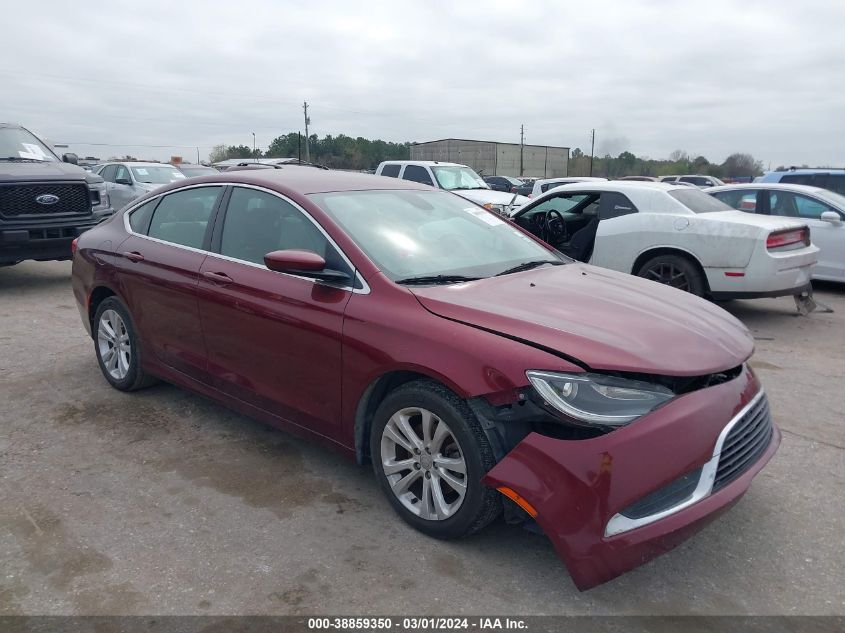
column 422, row 233
column 157, row 174
column 458, row 178
column 190, row 172
column 18, row 143
column 697, row 201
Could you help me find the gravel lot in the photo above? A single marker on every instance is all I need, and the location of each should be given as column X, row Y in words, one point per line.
column 162, row 502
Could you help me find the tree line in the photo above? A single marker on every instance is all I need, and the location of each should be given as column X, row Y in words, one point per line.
column 339, row 152
column 736, row 165
column 346, row 152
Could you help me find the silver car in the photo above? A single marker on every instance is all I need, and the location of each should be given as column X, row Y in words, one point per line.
column 821, row 209
column 126, row 181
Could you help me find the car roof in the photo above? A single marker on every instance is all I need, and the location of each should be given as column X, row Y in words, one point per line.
column 574, row 179
column 307, row 180
column 621, row 186
column 807, row 170
column 777, row 186
column 135, row 163
column 422, row 163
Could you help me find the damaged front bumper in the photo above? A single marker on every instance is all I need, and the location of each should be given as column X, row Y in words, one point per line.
column 613, row 502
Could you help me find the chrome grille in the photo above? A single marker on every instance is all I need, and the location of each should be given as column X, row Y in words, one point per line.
column 744, row 444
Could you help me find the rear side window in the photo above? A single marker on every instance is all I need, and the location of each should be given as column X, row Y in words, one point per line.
column 695, row 180
column 799, row 179
column 614, row 204
column 108, row 172
column 743, row 200
column 182, row 217
column 391, row 170
column 417, row 174
column 139, row 219
column 836, row 182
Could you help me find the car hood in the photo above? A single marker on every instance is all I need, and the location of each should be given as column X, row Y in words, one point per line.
column 768, row 222
column 604, row 319
column 11, row 171
column 483, row 196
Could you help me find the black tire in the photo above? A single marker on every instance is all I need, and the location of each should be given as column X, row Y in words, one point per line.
column 675, row 271
column 135, row 378
column 480, row 504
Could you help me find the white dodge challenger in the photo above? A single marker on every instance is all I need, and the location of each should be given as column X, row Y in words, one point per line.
column 674, row 235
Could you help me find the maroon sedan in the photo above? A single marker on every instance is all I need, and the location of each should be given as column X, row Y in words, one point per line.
column 479, row 370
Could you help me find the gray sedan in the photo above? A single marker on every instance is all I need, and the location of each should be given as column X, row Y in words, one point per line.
column 126, row 181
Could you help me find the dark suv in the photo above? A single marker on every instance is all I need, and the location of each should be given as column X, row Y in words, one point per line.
column 45, row 201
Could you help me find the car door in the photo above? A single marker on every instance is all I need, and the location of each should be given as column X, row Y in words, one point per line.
column 274, row 339
column 158, row 269
column 108, row 174
column 828, row 236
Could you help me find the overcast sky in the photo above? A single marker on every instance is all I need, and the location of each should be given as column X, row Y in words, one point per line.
column 709, row 78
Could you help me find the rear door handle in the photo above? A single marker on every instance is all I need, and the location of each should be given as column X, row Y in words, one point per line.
column 217, row 278
column 133, row 256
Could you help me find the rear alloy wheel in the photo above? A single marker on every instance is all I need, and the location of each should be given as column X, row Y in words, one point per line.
column 116, row 347
column 675, row 271
column 429, row 454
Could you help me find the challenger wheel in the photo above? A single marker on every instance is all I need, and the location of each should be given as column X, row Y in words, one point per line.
column 675, row 271
column 429, row 454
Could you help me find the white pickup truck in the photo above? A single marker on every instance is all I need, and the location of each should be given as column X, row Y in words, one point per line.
column 453, row 177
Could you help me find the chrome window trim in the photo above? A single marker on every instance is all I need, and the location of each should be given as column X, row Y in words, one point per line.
column 364, row 290
column 619, row 523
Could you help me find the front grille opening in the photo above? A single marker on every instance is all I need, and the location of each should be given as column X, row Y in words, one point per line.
column 666, row 497
column 684, row 384
column 19, row 200
column 745, row 444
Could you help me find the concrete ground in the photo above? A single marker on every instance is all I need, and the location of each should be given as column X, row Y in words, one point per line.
column 163, row 502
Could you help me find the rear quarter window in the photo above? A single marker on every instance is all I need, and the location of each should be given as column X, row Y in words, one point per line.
column 697, row 201
column 139, row 219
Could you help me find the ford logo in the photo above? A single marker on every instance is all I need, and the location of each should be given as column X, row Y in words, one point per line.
column 47, row 198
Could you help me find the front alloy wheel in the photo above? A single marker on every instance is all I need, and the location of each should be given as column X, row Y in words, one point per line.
column 429, row 455
column 423, row 463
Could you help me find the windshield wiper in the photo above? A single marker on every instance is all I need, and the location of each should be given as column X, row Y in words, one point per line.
column 23, row 160
column 435, row 279
column 529, row 265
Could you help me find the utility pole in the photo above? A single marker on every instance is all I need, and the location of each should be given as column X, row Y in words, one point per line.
column 592, row 148
column 307, row 121
column 521, row 149
column 254, row 157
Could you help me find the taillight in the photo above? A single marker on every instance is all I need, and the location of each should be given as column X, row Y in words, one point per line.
column 788, row 238
column 73, row 245
column 513, row 189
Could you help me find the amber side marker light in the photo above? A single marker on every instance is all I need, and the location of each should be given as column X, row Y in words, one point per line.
column 522, row 503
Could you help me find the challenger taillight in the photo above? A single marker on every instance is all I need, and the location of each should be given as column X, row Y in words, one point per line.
column 790, row 237
column 73, row 245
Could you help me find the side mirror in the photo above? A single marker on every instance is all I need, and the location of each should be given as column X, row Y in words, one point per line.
column 123, row 181
column 830, row 216
column 304, row 263
column 71, row 158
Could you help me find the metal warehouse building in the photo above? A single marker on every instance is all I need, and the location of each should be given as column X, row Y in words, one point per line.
column 489, row 158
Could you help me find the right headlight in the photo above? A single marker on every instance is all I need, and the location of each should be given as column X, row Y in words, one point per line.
column 597, row 399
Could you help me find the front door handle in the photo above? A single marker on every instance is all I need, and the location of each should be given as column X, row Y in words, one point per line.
column 133, row 256
column 217, row 278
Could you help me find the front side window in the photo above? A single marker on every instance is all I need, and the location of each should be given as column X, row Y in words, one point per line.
column 182, row 216
column 786, row 203
column 451, row 178
column 258, row 223
column 417, row 174
column 122, row 174
column 411, row 234
column 158, row 174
